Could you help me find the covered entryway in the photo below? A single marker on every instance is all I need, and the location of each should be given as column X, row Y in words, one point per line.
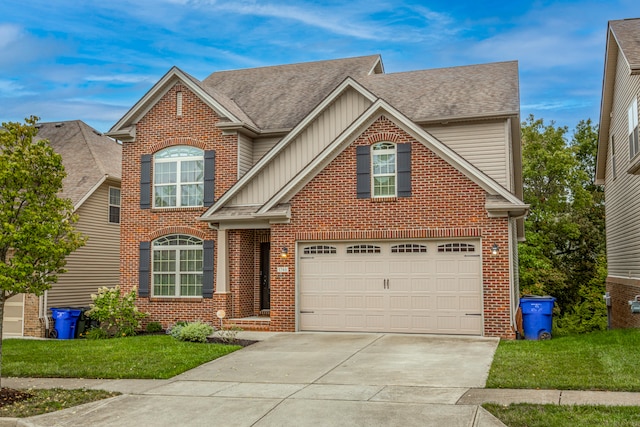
column 391, row 286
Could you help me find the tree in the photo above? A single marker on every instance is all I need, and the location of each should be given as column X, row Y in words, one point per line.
column 37, row 224
column 564, row 254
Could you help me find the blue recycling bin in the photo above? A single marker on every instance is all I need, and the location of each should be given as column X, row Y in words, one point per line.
column 65, row 322
column 537, row 313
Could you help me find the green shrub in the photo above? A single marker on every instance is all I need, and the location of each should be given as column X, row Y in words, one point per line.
column 117, row 313
column 228, row 334
column 96, row 334
column 192, row 332
column 153, row 327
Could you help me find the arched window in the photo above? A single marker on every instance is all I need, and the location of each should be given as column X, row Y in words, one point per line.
column 178, row 177
column 177, row 266
column 383, row 169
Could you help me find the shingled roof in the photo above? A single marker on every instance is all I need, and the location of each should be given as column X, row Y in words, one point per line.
column 627, row 34
column 450, row 93
column 279, row 97
column 88, row 156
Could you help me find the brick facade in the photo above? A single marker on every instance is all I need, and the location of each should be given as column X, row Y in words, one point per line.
column 444, row 204
column 160, row 128
column 622, row 291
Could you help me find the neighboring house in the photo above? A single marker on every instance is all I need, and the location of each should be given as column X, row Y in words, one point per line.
column 618, row 166
column 92, row 162
column 326, row 196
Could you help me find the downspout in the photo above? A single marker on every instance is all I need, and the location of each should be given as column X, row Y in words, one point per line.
column 42, row 312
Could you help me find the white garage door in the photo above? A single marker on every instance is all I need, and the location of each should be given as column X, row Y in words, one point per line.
column 415, row 287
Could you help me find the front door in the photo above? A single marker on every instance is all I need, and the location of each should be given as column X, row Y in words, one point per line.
column 265, row 285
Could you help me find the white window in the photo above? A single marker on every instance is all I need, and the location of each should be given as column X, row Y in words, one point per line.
column 383, row 165
column 114, row 205
column 177, row 266
column 456, row 247
column 633, row 128
column 178, row 177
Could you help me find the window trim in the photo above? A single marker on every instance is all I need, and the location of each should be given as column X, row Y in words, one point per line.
column 632, row 122
column 178, row 171
column 456, row 247
column 394, row 174
column 156, row 245
column 110, row 205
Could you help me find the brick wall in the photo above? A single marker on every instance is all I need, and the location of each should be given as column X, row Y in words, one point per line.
column 622, row 291
column 443, row 200
column 242, row 274
column 158, row 129
column 33, row 327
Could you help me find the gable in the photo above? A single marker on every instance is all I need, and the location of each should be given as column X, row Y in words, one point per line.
column 308, row 144
column 124, row 129
column 485, row 144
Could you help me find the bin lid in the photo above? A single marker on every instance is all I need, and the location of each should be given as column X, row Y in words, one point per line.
column 537, row 297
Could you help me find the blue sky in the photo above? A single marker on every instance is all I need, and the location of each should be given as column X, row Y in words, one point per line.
column 92, row 60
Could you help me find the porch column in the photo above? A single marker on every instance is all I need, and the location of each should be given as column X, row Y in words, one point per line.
column 222, row 263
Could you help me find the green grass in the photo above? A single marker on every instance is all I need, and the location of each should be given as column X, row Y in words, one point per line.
column 146, row 356
column 50, row 400
column 605, row 360
column 530, row 415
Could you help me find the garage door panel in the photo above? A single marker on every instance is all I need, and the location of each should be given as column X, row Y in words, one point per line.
column 446, row 284
column 422, row 303
column 421, row 285
column 469, row 303
column 403, row 288
column 354, row 284
column 400, row 302
column 446, row 266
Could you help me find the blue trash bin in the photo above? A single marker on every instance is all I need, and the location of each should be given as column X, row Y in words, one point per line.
column 537, row 313
column 65, row 322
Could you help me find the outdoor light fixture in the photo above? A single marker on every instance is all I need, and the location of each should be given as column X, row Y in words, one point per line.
column 494, row 249
column 284, row 252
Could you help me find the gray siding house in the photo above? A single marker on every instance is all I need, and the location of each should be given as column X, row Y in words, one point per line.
column 618, row 166
column 93, row 165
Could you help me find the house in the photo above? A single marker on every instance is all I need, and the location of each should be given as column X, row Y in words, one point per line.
column 618, row 166
column 92, row 162
column 326, row 196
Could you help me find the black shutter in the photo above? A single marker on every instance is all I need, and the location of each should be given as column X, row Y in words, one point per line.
column 363, row 171
column 145, row 181
column 404, row 169
column 143, row 269
column 207, row 269
column 209, row 177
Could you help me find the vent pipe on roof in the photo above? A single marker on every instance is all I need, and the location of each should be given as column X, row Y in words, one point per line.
column 59, row 125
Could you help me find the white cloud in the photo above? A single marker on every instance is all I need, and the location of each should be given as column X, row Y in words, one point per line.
column 120, row 78
column 9, row 33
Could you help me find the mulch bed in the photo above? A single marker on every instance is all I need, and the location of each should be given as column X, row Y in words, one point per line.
column 9, row 396
column 243, row 343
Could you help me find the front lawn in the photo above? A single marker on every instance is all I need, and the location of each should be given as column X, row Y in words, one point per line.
column 146, row 356
column 529, row 415
column 605, row 360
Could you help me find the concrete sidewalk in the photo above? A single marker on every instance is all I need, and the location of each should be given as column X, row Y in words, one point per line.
column 315, row 379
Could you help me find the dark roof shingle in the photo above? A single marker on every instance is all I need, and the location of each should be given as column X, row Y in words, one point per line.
column 87, row 155
column 627, row 33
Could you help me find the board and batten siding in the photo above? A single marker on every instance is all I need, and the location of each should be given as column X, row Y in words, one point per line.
column 98, row 262
column 299, row 152
column 483, row 144
column 245, row 154
column 262, row 146
column 622, row 193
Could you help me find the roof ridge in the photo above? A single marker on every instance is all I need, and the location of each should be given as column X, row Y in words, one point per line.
column 97, row 160
column 294, row 64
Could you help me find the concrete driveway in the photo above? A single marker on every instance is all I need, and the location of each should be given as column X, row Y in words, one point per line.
column 304, row 379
